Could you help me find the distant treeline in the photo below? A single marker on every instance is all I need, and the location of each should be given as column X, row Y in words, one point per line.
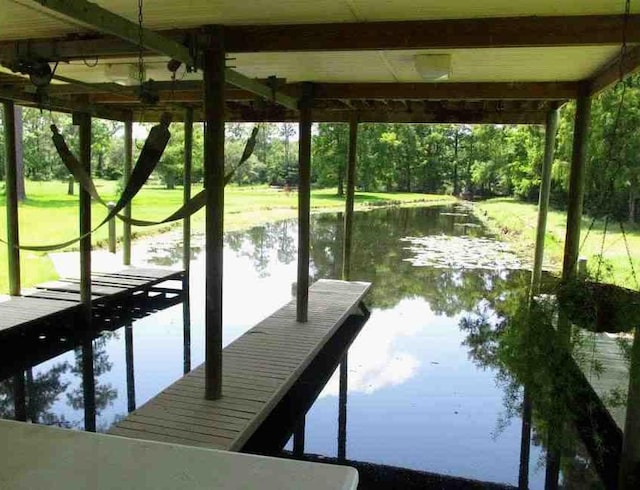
column 486, row 160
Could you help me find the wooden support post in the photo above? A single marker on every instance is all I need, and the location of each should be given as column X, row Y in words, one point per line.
column 186, row 188
column 84, row 123
column 214, row 84
column 22, row 195
column 112, row 229
column 88, row 384
column 576, row 185
column 128, row 163
column 543, row 199
column 11, row 193
column 343, row 389
column 525, row 441
column 186, row 331
column 131, row 380
column 70, row 185
column 348, row 207
column 298, row 437
column 304, row 204
column 629, row 477
column 83, row 120
column 20, row 397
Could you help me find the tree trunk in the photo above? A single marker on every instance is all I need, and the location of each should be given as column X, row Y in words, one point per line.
column 70, row 185
column 633, row 199
column 341, row 181
column 341, row 168
column 100, row 166
column 19, row 161
column 456, row 189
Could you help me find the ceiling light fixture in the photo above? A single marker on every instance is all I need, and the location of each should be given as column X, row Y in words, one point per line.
column 433, row 67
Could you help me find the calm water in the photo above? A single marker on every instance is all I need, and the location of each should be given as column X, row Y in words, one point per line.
column 431, row 385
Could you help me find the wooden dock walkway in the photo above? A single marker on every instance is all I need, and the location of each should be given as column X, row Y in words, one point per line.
column 56, row 301
column 259, row 368
column 603, row 363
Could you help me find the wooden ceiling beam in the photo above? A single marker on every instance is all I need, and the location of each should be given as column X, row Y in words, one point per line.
column 191, row 91
column 102, row 20
column 379, row 116
column 450, row 90
column 64, row 105
column 505, row 32
column 185, row 86
column 501, row 32
column 614, row 70
column 384, row 116
column 463, row 112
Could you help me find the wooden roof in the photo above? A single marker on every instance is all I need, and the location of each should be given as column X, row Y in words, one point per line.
column 358, row 53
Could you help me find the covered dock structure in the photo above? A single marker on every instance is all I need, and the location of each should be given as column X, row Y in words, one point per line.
column 352, row 61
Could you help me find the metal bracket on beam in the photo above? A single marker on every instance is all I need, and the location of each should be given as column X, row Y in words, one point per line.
column 254, row 86
column 98, row 18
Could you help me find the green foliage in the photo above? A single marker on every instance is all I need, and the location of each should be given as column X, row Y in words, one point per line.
column 613, row 166
column 486, row 160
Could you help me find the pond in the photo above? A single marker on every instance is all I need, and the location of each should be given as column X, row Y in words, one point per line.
column 434, row 379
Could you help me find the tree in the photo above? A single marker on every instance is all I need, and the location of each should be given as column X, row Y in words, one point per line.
column 22, row 195
column 107, row 154
column 330, row 155
column 290, row 174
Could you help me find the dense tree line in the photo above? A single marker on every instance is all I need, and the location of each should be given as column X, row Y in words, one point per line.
column 486, row 160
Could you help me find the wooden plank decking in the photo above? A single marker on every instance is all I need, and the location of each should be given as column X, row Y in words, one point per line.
column 258, row 370
column 603, row 364
column 55, row 300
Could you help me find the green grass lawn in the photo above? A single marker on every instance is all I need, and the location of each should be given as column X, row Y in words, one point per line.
column 50, row 216
column 516, row 222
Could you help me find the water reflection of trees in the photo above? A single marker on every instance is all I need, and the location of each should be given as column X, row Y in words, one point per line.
column 522, row 344
column 39, row 394
column 377, row 256
column 258, row 244
column 169, row 254
column 32, row 397
column 499, row 333
column 105, row 393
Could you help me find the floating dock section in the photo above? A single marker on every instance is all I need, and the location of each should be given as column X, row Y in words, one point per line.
column 259, row 368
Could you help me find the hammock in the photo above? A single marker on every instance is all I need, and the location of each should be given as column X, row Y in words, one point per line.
column 147, row 161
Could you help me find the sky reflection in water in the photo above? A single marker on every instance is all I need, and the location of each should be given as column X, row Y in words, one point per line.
column 417, row 397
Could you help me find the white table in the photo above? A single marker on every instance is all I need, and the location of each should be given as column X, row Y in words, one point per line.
column 34, row 457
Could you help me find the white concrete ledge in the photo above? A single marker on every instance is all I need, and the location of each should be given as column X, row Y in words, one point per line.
column 34, row 457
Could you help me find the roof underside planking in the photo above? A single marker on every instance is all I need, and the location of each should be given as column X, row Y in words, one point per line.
column 510, row 61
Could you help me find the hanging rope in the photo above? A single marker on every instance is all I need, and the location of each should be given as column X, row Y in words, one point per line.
column 604, row 202
column 626, row 246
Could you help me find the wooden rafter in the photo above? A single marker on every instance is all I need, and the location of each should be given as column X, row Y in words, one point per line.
column 441, row 34
column 502, row 32
column 191, row 91
column 611, row 72
column 470, row 112
column 64, row 104
column 450, row 91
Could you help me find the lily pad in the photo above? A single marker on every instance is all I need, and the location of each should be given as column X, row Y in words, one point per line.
column 461, row 252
